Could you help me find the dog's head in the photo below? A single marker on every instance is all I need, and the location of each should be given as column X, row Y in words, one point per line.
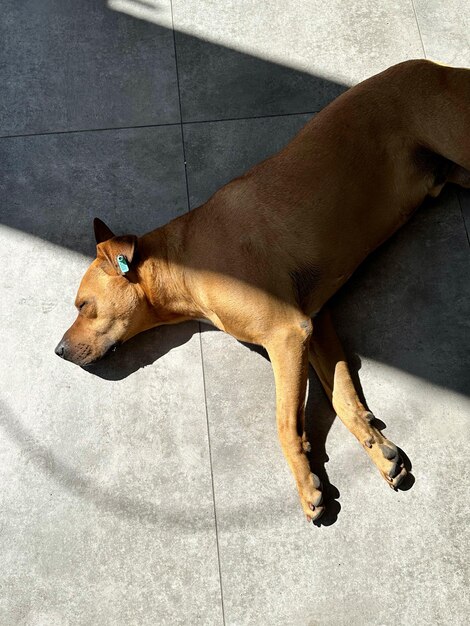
column 111, row 303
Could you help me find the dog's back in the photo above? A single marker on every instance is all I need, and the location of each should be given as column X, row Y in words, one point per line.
column 351, row 177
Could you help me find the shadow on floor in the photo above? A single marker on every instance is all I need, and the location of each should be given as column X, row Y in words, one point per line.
column 319, row 418
column 417, row 285
column 81, row 176
column 142, row 350
column 407, row 306
column 70, row 478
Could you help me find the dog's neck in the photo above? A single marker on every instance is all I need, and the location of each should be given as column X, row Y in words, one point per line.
column 163, row 276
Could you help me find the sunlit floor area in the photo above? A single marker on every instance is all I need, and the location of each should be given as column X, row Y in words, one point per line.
column 152, row 489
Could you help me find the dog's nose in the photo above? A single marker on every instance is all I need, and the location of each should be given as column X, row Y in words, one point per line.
column 60, row 349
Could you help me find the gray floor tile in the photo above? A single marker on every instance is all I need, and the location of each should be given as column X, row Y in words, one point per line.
column 445, row 30
column 384, row 557
column 106, row 511
column 216, row 152
column 218, row 82
column 237, row 60
column 53, row 185
column 378, row 556
column 106, row 506
column 76, row 64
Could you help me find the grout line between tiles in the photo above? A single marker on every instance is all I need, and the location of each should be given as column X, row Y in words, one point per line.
column 419, row 29
column 200, row 340
column 87, row 130
column 252, row 117
column 180, row 123
column 180, row 110
column 463, row 217
column 212, row 474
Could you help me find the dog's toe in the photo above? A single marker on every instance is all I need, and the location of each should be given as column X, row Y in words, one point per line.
column 398, row 477
column 391, row 465
column 315, row 515
column 311, row 498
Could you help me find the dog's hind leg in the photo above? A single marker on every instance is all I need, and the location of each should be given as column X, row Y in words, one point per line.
column 328, row 359
column 287, row 347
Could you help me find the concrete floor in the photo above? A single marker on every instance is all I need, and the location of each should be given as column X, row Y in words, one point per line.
column 154, row 491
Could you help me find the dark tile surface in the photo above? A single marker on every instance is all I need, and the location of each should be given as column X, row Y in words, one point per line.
column 464, row 199
column 54, row 185
column 409, row 305
column 218, row 82
column 219, row 151
column 75, row 64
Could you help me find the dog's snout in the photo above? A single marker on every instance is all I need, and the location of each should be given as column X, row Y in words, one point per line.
column 60, row 349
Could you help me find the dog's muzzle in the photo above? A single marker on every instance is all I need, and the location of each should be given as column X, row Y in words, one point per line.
column 82, row 355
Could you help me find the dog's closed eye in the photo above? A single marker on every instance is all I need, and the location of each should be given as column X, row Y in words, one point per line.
column 86, row 308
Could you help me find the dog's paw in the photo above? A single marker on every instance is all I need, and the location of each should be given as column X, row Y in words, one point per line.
column 311, row 498
column 384, row 453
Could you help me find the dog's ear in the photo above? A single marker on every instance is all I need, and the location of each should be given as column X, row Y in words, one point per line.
column 120, row 254
column 102, row 232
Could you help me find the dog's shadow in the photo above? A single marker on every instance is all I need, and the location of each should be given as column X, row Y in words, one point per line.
column 142, row 350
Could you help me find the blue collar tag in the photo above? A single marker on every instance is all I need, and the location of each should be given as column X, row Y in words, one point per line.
column 123, row 264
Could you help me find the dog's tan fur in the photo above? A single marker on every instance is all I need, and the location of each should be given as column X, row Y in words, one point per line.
column 261, row 258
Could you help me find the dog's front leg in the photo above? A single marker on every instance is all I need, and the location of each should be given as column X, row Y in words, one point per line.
column 288, row 351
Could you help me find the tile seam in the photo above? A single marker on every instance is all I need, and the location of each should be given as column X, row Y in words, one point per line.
column 180, row 123
column 214, row 507
column 463, row 217
column 212, row 474
column 251, row 117
column 87, row 130
column 419, row 29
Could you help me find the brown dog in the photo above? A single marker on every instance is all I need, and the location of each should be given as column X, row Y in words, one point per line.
column 262, row 257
